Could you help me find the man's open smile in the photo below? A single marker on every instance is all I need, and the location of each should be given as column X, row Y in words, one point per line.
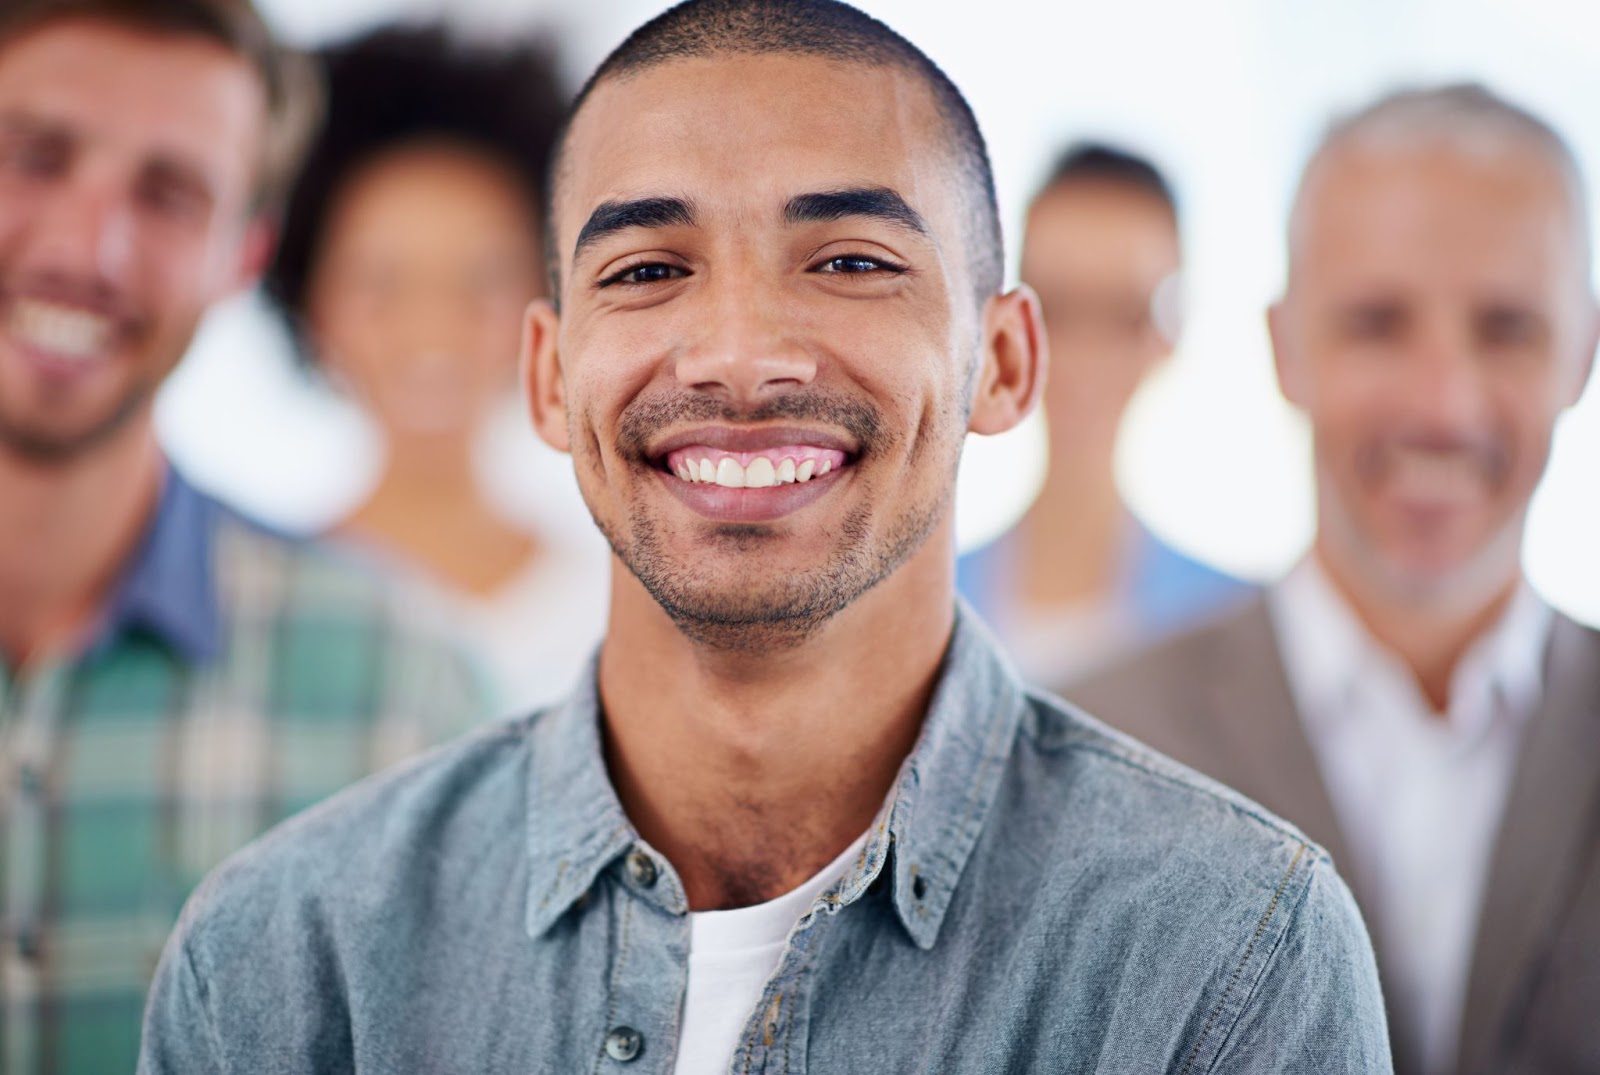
column 754, row 474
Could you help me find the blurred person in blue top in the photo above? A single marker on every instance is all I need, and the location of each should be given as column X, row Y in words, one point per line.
column 411, row 247
column 1080, row 580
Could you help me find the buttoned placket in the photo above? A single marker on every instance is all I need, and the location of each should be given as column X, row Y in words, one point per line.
column 587, row 859
column 648, row 973
column 647, row 978
column 30, row 709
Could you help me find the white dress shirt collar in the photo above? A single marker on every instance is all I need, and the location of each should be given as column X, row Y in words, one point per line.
column 1327, row 652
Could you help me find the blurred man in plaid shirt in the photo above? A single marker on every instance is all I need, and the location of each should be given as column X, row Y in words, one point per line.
column 173, row 677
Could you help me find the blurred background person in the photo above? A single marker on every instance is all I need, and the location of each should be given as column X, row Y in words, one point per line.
column 174, row 678
column 1080, row 579
column 1403, row 695
column 411, row 247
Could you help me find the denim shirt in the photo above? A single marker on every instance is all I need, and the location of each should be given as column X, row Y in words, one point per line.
column 1040, row 894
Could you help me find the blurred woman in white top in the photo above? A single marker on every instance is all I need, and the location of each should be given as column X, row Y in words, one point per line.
column 410, row 248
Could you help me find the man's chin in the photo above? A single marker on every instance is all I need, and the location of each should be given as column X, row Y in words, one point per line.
column 1445, row 577
column 61, row 443
column 747, row 619
column 53, row 448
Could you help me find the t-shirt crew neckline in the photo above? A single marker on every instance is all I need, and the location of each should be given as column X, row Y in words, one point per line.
column 731, row 955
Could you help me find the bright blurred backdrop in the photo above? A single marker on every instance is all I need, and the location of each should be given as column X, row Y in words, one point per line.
column 1228, row 96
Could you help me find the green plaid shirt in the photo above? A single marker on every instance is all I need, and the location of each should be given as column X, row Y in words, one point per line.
column 237, row 676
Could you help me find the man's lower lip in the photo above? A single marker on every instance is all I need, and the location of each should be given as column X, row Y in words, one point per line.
column 51, row 366
column 748, row 505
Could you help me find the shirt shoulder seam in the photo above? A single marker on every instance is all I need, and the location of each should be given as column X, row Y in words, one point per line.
column 1088, row 737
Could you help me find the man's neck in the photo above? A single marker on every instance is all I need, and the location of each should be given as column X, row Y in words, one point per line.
column 1430, row 636
column 751, row 771
column 434, row 511
column 1071, row 538
column 66, row 531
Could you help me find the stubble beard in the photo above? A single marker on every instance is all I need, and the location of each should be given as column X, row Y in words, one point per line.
column 775, row 609
column 38, row 445
column 49, row 449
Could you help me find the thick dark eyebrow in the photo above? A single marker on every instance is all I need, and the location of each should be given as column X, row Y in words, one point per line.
column 609, row 217
column 874, row 203
column 16, row 122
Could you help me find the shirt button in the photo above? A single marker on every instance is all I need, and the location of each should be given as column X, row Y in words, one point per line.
column 624, row 1043
column 642, row 868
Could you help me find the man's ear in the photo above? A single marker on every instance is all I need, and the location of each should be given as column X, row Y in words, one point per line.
column 1586, row 357
column 256, row 246
column 1012, row 364
column 541, row 374
column 1285, row 361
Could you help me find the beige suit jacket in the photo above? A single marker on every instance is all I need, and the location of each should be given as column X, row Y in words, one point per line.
column 1218, row 699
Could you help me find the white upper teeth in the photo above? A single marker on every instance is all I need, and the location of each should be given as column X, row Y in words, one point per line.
column 730, row 474
column 60, row 330
column 1436, row 474
column 761, row 473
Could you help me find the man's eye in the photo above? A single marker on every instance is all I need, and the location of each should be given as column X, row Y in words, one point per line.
column 1373, row 323
column 1508, row 328
column 855, row 264
column 649, row 273
column 35, row 158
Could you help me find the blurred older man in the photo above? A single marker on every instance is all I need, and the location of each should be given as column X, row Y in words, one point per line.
column 1404, row 695
column 173, row 678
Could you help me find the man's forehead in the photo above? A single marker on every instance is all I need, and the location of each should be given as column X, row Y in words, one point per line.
column 181, row 91
column 723, row 123
column 1358, row 198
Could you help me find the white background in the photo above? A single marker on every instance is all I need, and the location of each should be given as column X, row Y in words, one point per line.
column 1229, row 95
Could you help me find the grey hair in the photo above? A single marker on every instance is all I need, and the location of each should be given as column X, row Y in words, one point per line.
column 1466, row 117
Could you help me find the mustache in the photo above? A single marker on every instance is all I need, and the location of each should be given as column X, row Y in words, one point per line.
column 645, row 418
column 1489, row 454
column 68, row 289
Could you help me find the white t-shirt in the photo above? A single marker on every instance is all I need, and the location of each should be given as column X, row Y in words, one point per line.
column 731, row 956
column 535, row 635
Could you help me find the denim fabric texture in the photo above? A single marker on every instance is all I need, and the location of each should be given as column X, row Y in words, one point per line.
column 1040, row 894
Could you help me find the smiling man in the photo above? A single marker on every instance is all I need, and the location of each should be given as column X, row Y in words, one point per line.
column 173, row 677
column 1403, row 694
column 802, row 817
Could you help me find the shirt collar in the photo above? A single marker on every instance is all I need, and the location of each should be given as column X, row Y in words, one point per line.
column 1512, row 653
column 1323, row 645
column 1327, row 651
column 922, row 838
column 169, row 586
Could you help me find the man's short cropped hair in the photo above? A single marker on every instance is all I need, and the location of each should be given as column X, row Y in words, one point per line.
column 406, row 85
column 291, row 92
column 1100, row 162
column 1465, row 116
column 830, row 30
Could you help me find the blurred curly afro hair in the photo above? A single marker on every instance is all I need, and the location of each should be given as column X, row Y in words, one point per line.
column 403, row 85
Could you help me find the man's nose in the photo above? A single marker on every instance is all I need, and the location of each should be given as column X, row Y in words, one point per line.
column 1447, row 387
column 84, row 230
column 746, row 348
column 434, row 317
